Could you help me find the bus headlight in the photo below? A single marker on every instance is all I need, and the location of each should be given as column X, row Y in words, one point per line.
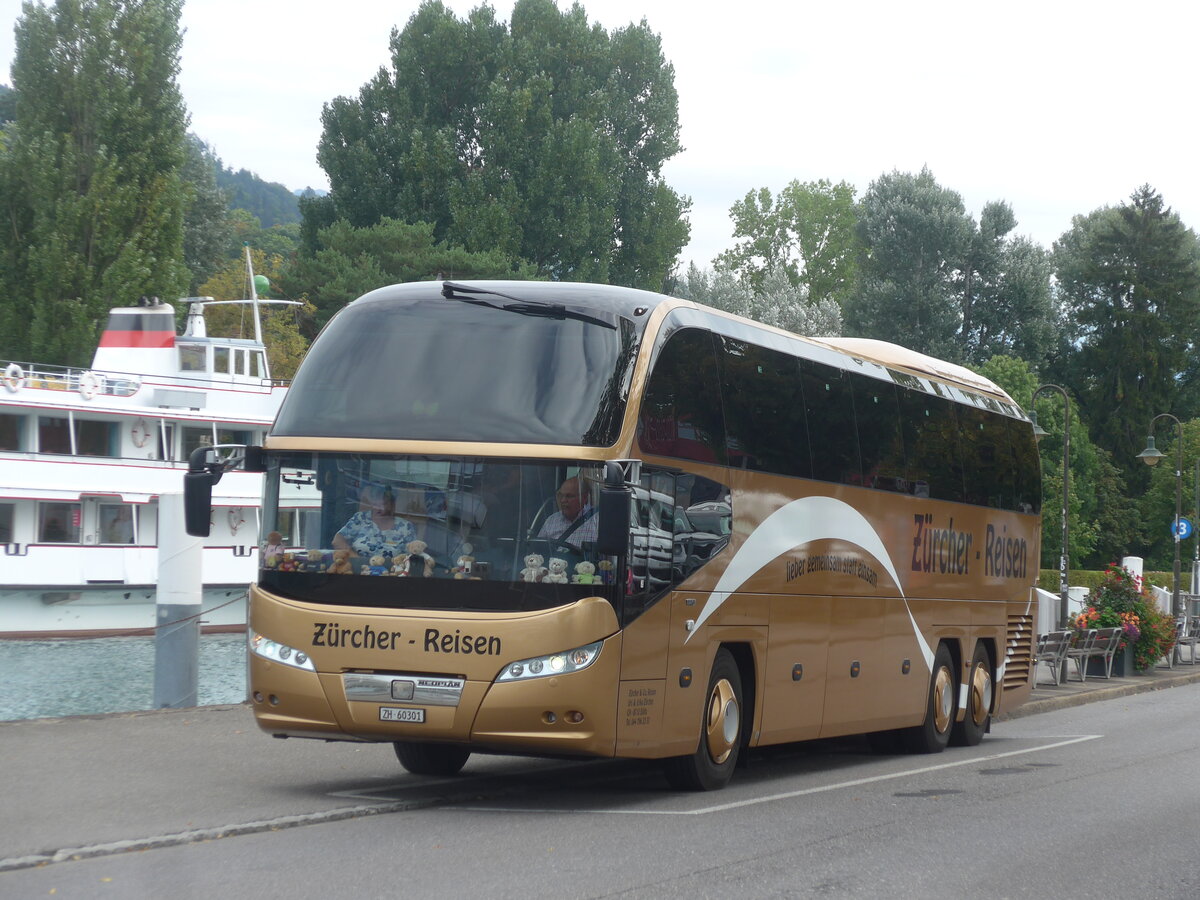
column 554, row 664
column 280, row 653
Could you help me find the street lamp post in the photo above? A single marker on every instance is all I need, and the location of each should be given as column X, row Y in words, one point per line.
column 1064, row 557
column 1150, row 456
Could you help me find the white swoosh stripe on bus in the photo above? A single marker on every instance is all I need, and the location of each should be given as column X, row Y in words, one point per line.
column 794, row 525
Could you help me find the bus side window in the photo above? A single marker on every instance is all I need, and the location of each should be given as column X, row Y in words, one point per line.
column 681, row 412
column 932, row 445
column 833, row 433
column 764, row 410
column 877, row 415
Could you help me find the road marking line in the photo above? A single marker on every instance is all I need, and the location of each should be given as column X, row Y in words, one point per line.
column 787, row 795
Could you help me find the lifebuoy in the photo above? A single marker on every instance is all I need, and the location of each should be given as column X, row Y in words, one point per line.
column 89, row 384
column 140, row 433
column 14, row 377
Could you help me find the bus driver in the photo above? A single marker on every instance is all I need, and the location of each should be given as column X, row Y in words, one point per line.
column 575, row 520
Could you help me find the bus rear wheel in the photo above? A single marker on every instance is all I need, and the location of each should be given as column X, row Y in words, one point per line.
column 980, row 695
column 932, row 735
column 712, row 765
column 431, row 759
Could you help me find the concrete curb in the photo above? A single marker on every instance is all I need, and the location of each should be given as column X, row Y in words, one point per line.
column 1077, row 694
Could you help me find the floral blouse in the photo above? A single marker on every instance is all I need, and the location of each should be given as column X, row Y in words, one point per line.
column 368, row 539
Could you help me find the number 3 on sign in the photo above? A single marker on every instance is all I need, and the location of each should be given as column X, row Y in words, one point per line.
column 1182, row 528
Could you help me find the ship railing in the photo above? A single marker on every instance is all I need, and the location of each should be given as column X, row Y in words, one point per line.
column 17, row 376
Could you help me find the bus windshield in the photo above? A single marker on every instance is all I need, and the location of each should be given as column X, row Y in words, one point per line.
column 428, row 368
column 419, row 532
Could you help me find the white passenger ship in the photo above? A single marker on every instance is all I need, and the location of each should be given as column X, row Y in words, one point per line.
column 86, row 453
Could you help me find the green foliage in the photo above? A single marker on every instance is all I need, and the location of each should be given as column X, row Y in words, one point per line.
column 776, row 301
column 808, row 232
column 268, row 201
column 932, row 280
column 543, row 140
column 8, row 104
column 91, row 191
column 1156, row 506
column 353, row 261
column 206, row 228
column 914, row 234
column 1130, row 279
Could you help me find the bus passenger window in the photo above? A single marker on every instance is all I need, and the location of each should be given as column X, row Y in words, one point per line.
column 681, row 412
column 832, row 433
column 764, row 410
column 877, row 414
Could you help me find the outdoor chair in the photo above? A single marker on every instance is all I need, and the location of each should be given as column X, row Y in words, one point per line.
column 1189, row 637
column 1108, row 641
column 1052, row 650
column 1081, row 650
column 1180, row 635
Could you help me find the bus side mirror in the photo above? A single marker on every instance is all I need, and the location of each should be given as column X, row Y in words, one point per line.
column 616, row 499
column 197, row 492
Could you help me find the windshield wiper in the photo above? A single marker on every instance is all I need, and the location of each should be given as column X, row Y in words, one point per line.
column 452, row 290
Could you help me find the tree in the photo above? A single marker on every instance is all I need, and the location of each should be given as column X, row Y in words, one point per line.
column 91, row 193
column 915, row 235
column 777, row 302
column 807, row 232
column 1005, row 292
column 352, row 261
column 206, row 228
column 933, row 280
column 1130, row 279
column 543, row 141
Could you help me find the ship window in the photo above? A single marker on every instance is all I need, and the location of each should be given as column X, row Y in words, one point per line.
column 116, row 523
column 194, row 438
column 240, row 356
column 226, row 436
column 10, row 432
column 96, row 438
column 6, row 522
column 54, row 435
column 256, row 366
column 58, row 523
column 221, row 360
column 192, row 358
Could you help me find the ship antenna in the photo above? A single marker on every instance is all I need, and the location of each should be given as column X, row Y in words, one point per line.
column 253, row 296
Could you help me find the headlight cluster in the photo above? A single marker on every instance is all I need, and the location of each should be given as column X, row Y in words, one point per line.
column 280, row 653
column 554, row 664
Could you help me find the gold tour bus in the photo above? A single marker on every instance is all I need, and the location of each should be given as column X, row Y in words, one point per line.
column 571, row 519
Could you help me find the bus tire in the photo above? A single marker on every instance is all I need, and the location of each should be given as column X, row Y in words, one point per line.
column 431, row 759
column 711, row 766
column 932, row 735
column 981, row 691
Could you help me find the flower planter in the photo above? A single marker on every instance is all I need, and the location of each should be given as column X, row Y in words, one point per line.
column 1122, row 666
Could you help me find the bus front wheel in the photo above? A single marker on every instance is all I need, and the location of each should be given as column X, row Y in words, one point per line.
column 711, row 766
column 431, row 759
column 932, row 735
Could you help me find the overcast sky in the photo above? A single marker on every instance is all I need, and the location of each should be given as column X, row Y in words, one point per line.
column 1057, row 107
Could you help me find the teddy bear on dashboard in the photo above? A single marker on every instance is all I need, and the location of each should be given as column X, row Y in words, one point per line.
column 556, row 571
column 534, row 568
column 341, row 564
column 585, row 573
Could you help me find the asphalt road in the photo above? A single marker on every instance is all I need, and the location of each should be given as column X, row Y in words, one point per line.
column 1098, row 800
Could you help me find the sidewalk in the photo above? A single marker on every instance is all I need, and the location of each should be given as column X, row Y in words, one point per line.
column 1048, row 696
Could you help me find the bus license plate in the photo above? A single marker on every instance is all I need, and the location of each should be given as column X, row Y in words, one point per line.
column 400, row 714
